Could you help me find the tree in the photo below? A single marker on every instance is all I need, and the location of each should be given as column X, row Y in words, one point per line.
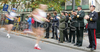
column 13, row 2
column 56, row 4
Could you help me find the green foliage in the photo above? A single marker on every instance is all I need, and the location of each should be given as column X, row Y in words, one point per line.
column 56, row 4
column 77, row 2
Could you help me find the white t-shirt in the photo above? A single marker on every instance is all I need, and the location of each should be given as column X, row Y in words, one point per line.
column 41, row 14
column 12, row 14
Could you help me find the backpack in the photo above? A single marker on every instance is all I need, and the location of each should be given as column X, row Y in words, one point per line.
column 32, row 21
column 86, row 26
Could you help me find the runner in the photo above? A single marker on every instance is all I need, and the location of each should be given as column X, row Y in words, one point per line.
column 39, row 17
column 10, row 17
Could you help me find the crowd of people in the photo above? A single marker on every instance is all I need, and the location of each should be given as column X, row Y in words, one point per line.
column 59, row 25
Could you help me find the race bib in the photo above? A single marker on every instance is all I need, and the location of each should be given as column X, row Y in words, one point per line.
column 11, row 18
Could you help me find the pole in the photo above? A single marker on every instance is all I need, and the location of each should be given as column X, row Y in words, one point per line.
column 65, row 5
column 73, row 4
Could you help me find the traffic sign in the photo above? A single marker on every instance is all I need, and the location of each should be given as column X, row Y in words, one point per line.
column 93, row 2
column 5, row 7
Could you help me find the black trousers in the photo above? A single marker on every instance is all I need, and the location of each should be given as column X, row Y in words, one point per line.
column 92, row 38
column 79, row 31
column 72, row 33
column 65, row 35
column 54, row 32
column 47, row 32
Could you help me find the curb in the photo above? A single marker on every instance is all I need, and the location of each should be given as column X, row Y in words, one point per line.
column 60, row 44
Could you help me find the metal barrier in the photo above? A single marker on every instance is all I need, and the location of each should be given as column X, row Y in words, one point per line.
column 2, row 19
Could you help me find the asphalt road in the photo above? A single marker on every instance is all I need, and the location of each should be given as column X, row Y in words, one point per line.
column 23, row 44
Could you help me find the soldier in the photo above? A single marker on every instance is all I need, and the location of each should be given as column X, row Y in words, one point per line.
column 92, row 26
column 79, row 25
column 62, row 27
column 72, row 27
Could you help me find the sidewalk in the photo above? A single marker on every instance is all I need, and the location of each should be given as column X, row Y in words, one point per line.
column 65, row 44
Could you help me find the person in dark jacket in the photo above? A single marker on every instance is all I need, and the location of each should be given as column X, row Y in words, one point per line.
column 79, row 25
column 72, row 27
column 55, row 25
column 92, row 26
column 66, row 25
column 48, row 25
